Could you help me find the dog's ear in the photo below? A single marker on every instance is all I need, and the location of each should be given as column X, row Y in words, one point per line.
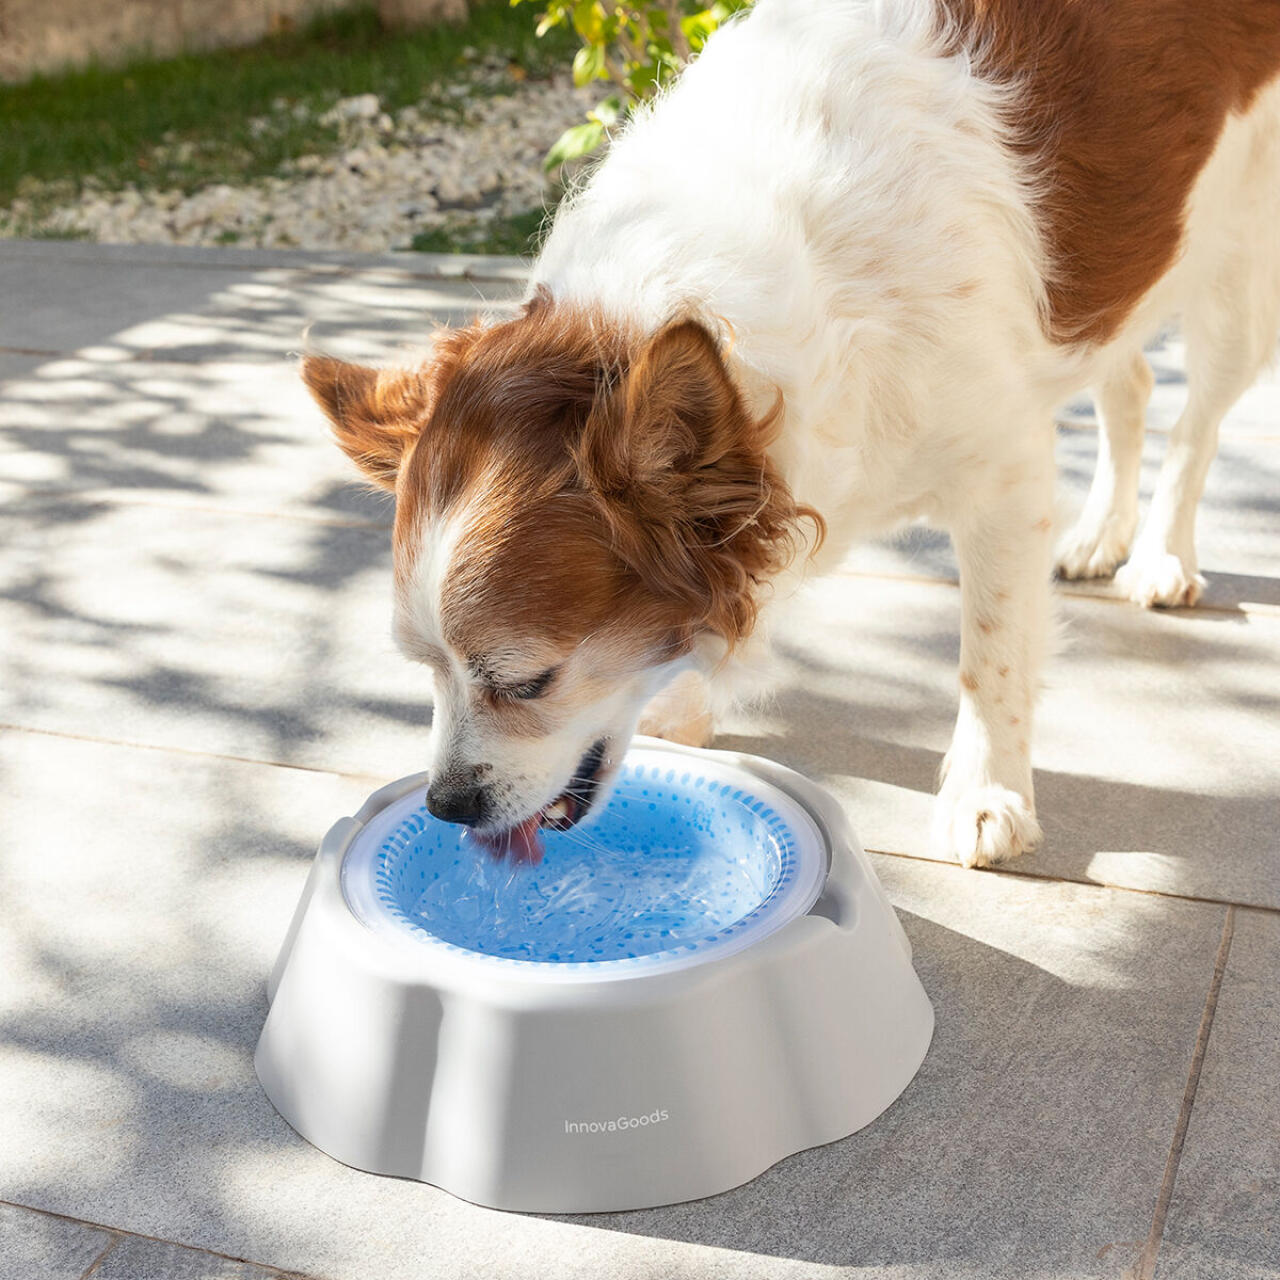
column 378, row 413
column 674, row 409
column 679, row 469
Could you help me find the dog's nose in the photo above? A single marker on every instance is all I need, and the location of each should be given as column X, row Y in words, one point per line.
column 452, row 803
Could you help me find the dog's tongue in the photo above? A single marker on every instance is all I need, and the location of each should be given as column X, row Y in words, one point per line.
column 522, row 843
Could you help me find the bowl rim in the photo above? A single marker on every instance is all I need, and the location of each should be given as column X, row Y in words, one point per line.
column 812, row 857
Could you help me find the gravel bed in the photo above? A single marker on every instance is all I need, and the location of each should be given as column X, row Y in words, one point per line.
column 394, row 175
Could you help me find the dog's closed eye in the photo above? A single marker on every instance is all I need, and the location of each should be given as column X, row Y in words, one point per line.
column 529, row 689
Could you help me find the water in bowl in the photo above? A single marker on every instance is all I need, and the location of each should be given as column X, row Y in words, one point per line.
column 674, row 860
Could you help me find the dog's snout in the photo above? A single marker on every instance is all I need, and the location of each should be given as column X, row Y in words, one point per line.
column 454, row 801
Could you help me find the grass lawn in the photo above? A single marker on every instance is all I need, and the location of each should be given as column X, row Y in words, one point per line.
column 227, row 116
column 518, row 236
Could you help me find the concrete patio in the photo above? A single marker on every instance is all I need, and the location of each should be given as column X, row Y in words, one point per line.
column 198, row 678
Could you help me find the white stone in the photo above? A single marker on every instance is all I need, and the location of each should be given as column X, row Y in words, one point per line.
column 364, row 106
column 378, row 191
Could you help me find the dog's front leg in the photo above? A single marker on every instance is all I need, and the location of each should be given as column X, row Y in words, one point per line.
column 986, row 806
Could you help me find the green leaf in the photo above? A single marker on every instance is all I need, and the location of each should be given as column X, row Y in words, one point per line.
column 608, row 113
column 588, row 64
column 643, row 78
column 698, row 26
column 556, row 15
column 573, row 143
column 588, row 21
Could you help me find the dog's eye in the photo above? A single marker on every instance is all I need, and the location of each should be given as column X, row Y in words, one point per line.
column 534, row 688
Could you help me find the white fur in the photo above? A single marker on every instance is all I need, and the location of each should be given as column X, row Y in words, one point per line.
column 842, row 196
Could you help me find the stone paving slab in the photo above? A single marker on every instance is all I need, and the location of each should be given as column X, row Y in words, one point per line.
column 270, row 639
column 1224, row 1219
column 183, row 563
column 258, row 442
column 1032, row 1143
column 63, row 256
column 35, row 1245
column 1154, row 745
column 108, row 311
column 96, row 303
column 246, row 636
column 39, row 1246
column 137, row 1258
column 231, row 436
column 14, row 364
column 997, row 1160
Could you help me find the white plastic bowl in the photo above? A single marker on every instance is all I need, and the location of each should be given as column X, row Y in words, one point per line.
column 705, row 978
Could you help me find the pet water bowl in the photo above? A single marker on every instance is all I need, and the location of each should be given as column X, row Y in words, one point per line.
column 702, row 979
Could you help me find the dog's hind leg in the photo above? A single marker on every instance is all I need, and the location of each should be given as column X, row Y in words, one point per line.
column 1101, row 537
column 1230, row 316
column 986, row 807
column 1230, row 335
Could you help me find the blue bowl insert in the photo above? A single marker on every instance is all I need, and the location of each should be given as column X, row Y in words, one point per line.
column 679, row 862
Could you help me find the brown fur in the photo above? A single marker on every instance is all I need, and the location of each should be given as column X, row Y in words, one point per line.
column 377, row 413
column 1121, row 102
column 676, row 467
column 608, row 478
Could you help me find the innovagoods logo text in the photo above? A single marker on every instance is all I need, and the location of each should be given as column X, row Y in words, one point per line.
column 616, row 1124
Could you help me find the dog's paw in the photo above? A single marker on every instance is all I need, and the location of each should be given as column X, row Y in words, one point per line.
column 1093, row 550
column 1159, row 578
column 981, row 825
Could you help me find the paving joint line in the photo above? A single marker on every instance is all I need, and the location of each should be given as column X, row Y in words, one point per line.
column 380, row 779
column 1145, row 1267
column 1063, row 588
column 1253, row 608
column 146, row 355
column 1062, row 424
column 1011, row 872
column 379, row 266
column 55, row 497
column 121, row 1232
column 29, row 351
column 6, row 727
column 160, row 356
column 355, row 522
column 101, row 1258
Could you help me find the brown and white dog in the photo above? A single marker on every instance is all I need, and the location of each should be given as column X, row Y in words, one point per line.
column 838, row 278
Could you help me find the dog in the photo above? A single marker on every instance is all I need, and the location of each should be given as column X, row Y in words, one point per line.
column 836, row 279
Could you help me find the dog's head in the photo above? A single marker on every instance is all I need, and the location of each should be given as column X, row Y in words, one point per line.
column 579, row 512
